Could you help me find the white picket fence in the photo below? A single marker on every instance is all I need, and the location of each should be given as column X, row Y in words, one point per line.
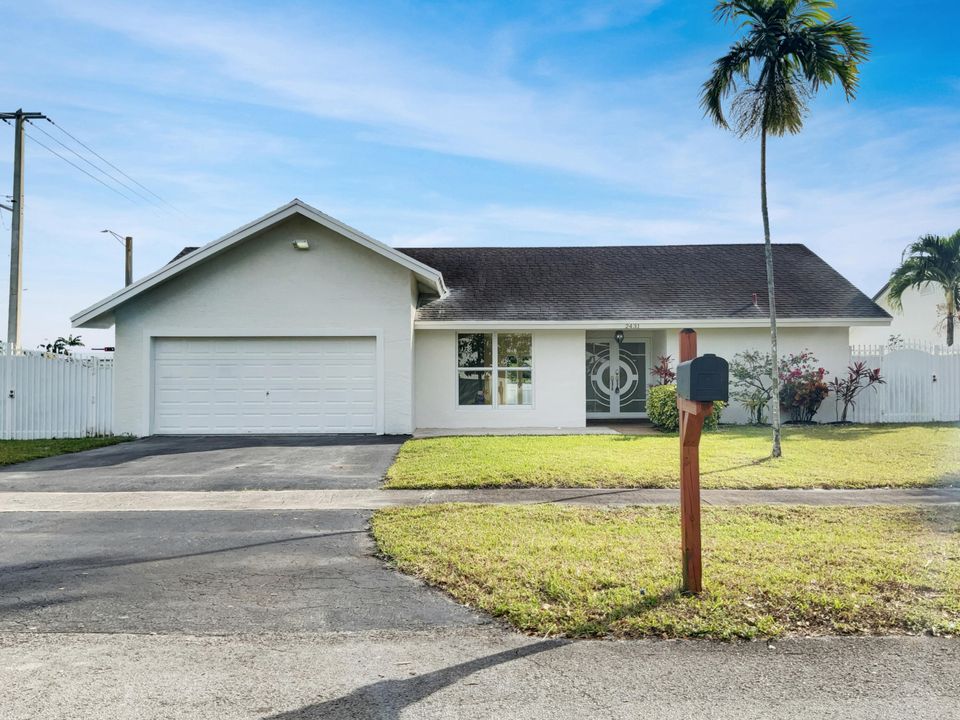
column 54, row 396
column 922, row 384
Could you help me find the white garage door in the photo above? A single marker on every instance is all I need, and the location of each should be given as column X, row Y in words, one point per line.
column 264, row 385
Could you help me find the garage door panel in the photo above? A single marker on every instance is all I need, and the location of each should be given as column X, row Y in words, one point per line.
column 238, row 385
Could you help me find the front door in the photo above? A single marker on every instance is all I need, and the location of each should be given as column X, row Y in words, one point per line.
column 616, row 378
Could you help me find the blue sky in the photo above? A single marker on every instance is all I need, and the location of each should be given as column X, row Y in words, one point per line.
column 443, row 123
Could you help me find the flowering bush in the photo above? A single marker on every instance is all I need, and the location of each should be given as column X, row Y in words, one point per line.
column 802, row 386
column 662, row 370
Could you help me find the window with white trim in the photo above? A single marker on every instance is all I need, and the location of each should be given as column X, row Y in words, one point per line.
column 494, row 369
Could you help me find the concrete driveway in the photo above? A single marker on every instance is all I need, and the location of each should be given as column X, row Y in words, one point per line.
column 217, row 462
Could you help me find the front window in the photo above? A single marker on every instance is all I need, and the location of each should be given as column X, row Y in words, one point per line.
column 495, row 369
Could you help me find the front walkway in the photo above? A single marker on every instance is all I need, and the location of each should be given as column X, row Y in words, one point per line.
column 365, row 499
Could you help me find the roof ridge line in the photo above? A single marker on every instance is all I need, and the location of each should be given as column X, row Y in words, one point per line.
column 590, row 247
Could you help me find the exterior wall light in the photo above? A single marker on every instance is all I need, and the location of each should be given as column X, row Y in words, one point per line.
column 301, row 244
column 618, row 336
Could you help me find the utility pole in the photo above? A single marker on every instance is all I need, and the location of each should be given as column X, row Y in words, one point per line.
column 127, row 243
column 128, row 260
column 16, row 226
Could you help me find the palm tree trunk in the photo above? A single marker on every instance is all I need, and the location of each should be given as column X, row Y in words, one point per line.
column 775, row 451
column 951, row 316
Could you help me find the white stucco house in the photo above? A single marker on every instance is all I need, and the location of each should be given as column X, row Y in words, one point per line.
column 297, row 323
column 922, row 318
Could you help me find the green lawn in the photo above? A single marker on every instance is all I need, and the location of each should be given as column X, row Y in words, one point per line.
column 559, row 570
column 857, row 456
column 17, row 451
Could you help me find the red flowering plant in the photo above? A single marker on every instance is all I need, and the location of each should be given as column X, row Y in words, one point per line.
column 802, row 386
column 663, row 372
column 859, row 378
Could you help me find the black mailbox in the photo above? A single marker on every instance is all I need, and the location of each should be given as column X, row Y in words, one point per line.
column 705, row 378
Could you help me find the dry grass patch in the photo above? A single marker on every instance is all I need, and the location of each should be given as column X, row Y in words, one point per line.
column 768, row 571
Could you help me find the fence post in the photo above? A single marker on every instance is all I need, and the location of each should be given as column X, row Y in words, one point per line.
column 7, row 413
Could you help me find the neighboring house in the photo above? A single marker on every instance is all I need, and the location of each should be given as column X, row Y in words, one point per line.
column 922, row 318
column 299, row 323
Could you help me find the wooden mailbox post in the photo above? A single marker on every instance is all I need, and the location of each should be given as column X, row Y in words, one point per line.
column 709, row 381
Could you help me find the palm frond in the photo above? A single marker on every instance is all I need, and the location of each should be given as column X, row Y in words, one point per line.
column 930, row 260
column 727, row 70
column 743, row 10
column 795, row 47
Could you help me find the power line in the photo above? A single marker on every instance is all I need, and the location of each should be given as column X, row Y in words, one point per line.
column 88, row 174
column 98, row 168
column 90, row 149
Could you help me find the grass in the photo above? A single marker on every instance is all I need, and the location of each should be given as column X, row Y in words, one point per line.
column 858, row 456
column 18, row 451
column 768, row 571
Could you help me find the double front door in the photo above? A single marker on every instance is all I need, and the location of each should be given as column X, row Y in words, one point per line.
column 616, row 378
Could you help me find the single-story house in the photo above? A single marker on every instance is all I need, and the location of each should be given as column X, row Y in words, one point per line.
column 297, row 323
column 921, row 319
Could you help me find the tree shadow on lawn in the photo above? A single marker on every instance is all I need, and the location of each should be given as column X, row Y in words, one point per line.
column 827, row 429
column 849, row 431
column 741, row 466
column 602, row 626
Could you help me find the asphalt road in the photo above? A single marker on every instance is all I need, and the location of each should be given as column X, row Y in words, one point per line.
column 206, row 573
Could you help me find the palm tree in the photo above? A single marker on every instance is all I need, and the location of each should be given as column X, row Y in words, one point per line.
column 789, row 49
column 931, row 260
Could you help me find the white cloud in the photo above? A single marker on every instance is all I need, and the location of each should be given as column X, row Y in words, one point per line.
column 602, row 130
column 856, row 186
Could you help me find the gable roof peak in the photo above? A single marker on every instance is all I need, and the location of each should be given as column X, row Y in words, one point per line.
column 100, row 314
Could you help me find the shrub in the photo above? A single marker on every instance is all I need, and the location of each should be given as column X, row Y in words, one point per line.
column 802, row 386
column 662, row 409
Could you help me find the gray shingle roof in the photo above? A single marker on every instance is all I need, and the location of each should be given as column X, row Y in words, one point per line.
column 185, row 251
column 636, row 283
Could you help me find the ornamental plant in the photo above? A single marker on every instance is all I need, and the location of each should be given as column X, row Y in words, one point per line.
column 662, row 409
column 802, row 386
column 751, row 375
column 662, row 371
column 845, row 390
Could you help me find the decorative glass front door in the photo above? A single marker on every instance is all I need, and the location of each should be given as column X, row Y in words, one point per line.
column 616, row 379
